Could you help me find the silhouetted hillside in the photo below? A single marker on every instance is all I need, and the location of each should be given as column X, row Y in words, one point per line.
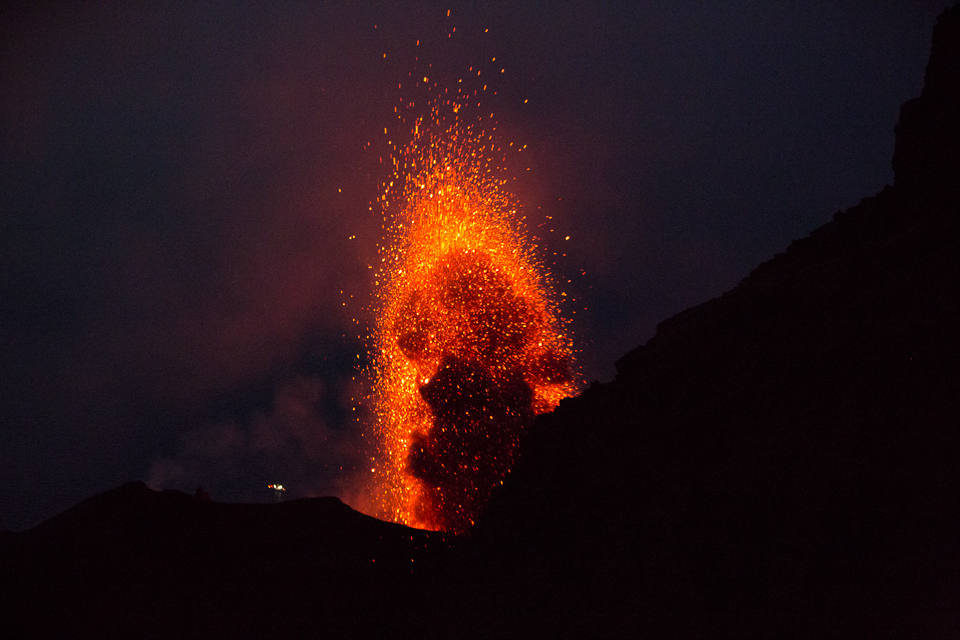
column 138, row 563
column 781, row 461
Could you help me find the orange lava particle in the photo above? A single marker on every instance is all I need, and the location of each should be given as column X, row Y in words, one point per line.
column 469, row 343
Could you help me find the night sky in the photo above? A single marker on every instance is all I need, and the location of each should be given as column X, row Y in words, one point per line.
column 186, row 191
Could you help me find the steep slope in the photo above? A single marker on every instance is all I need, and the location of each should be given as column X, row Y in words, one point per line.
column 781, row 461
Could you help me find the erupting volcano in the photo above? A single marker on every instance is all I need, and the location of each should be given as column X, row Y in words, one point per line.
column 469, row 342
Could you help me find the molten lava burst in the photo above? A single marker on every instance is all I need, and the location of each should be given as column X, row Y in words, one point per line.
column 470, row 345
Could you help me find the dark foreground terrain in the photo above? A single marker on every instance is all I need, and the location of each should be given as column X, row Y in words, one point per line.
column 134, row 562
column 783, row 461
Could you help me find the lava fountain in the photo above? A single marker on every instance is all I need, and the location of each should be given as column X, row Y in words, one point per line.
column 469, row 342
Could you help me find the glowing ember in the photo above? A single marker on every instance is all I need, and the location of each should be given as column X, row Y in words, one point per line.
column 469, row 343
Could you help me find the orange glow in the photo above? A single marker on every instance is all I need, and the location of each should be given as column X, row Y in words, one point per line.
column 469, row 343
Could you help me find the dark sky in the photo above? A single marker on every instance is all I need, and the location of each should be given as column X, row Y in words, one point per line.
column 180, row 182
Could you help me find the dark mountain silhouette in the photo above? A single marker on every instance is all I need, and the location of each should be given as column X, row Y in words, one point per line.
column 134, row 562
column 782, row 461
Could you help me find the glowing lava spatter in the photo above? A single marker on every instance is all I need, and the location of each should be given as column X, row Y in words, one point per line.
column 469, row 342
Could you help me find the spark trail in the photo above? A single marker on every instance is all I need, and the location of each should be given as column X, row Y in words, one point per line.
column 469, row 343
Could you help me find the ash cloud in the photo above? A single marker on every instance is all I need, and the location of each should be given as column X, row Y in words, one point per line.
column 469, row 449
column 178, row 195
column 295, row 441
column 481, row 398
